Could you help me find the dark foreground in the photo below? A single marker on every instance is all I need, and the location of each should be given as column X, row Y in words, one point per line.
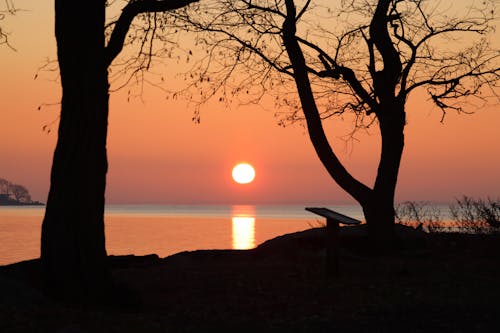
column 432, row 283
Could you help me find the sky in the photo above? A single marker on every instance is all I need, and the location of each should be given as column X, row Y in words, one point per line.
column 158, row 155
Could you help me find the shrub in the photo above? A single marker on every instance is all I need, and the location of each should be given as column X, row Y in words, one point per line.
column 476, row 215
column 420, row 214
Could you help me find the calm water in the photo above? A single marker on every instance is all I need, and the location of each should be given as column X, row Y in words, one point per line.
column 165, row 230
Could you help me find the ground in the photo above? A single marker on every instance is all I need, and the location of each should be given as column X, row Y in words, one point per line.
column 427, row 283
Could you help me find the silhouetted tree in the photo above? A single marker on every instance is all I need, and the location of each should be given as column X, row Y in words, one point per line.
column 73, row 252
column 365, row 71
column 14, row 193
column 4, row 186
column 20, row 193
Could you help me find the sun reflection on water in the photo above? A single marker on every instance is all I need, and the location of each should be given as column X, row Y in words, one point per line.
column 243, row 227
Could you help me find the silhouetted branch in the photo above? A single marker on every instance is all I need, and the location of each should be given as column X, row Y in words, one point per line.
column 315, row 128
column 386, row 79
column 303, row 10
column 335, row 71
column 131, row 10
column 10, row 9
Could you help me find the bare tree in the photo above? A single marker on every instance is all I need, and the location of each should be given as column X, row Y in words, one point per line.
column 73, row 253
column 360, row 61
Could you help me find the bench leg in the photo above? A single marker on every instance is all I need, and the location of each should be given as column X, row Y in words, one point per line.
column 332, row 248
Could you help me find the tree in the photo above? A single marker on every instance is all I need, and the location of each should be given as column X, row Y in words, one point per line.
column 385, row 50
column 14, row 193
column 20, row 193
column 73, row 253
column 5, row 187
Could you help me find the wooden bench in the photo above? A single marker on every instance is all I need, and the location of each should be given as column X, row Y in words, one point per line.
column 333, row 221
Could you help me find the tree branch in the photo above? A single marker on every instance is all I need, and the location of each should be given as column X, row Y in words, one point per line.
column 314, row 124
column 250, row 5
column 244, row 44
column 334, row 70
column 472, row 73
column 303, row 10
column 385, row 80
column 129, row 12
column 10, row 10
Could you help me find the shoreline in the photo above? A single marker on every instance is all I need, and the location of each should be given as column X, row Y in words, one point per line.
column 15, row 204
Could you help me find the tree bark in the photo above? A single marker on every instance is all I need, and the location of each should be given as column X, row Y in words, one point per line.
column 73, row 252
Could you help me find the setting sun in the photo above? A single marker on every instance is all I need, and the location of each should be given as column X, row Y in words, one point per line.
column 243, row 173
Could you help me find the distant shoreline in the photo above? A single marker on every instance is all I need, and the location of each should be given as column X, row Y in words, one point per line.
column 16, row 203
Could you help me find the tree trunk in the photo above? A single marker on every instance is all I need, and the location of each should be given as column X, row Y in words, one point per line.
column 73, row 252
column 380, row 219
column 379, row 208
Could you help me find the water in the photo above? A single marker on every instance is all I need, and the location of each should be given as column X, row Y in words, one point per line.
column 165, row 230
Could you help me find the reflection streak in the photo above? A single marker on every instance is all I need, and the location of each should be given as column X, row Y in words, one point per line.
column 243, row 232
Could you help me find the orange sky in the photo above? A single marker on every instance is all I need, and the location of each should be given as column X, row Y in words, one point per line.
column 158, row 155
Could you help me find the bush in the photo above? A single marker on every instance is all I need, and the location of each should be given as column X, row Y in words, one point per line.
column 420, row 214
column 469, row 215
column 476, row 215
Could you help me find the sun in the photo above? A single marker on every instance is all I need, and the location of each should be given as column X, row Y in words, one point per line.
column 243, row 173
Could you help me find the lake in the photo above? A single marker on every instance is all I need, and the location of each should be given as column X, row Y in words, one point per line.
column 166, row 230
